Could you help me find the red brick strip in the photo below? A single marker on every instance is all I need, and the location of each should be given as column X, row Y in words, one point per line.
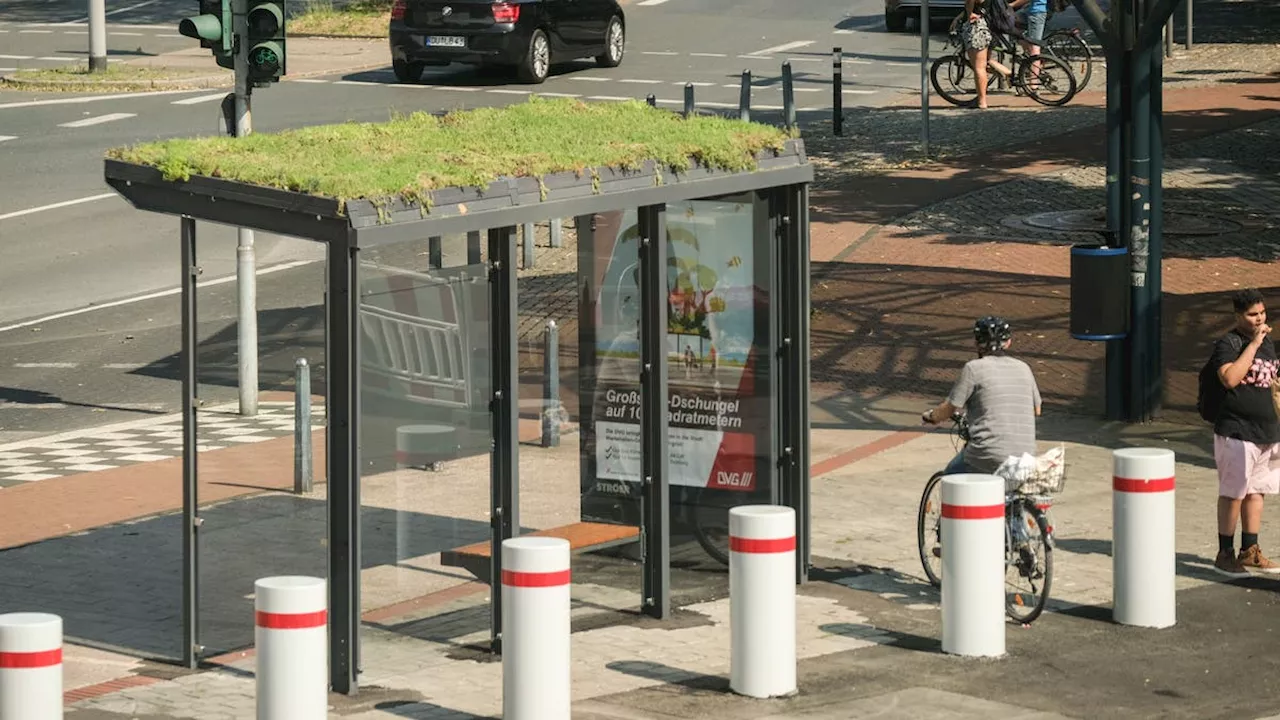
column 862, row 452
column 90, row 692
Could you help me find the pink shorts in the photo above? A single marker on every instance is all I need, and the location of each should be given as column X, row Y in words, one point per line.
column 1245, row 468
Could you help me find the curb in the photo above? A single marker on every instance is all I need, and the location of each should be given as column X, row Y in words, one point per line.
column 195, row 83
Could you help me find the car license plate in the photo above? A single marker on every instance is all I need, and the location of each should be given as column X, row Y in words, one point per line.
column 445, row 41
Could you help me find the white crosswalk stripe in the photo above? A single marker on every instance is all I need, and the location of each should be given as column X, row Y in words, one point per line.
column 199, row 99
column 111, row 117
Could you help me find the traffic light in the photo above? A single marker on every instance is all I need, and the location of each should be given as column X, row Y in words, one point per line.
column 266, row 41
column 212, row 27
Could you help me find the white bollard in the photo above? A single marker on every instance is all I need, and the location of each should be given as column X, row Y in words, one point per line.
column 973, row 565
column 762, row 600
column 535, row 628
column 30, row 666
column 1143, row 561
column 418, row 447
column 291, row 634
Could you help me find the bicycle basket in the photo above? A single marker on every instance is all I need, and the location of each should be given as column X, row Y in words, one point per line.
column 1045, row 474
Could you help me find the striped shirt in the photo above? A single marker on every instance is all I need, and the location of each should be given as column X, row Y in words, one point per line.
column 999, row 395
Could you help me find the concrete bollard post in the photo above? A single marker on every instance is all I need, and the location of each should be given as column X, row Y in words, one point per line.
column 535, row 629
column 1142, row 552
column 418, row 447
column 527, row 233
column 762, row 600
column 557, row 232
column 291, row 637
column 30, row 666
column 973, row 565
column 302, row 467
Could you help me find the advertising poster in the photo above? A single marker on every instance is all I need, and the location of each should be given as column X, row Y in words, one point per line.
column 717, row 326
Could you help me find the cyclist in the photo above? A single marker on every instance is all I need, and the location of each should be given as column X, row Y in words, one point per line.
column 999, row 396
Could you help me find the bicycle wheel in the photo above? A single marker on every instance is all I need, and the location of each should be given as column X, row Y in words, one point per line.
column 929, row 530
column 954, row 80
column 1069, row 47
column 711, row 521
column 1053, row 84
column 1028, row 561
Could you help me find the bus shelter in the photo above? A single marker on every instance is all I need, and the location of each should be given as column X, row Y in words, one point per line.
column 683, row 383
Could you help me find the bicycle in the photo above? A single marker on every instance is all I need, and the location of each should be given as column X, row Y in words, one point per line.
column 1044, row 78
column 1067, row 45
column 1028, row 533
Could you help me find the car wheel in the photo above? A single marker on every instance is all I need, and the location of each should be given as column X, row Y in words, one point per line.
column 537, row 59
column 615, row 44
column 407, row 72
column 895, row 21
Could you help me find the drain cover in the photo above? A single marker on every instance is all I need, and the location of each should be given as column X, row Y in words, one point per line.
column 1175, row 223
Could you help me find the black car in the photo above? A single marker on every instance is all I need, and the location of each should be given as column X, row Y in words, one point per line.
column 527, row 35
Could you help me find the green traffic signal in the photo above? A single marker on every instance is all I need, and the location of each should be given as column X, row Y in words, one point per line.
column 212, row 27
column 265, row 25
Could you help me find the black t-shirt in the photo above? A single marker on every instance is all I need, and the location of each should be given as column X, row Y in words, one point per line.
column 1248, row 412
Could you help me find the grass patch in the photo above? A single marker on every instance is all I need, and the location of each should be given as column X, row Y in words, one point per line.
column 411, row 155
column 117, row 76
column 361, row 18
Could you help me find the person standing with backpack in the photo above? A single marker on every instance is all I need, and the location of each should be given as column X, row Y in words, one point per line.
column 1246, row 433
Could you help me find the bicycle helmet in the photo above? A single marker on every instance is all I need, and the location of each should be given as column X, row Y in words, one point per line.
column 991, row 333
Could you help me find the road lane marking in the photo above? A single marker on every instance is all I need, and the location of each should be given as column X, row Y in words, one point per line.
column 701, row 54
column 310, row 80
column 859, row 92
column 93, row 98
column 35, row 32
column 754, row 57
column 695, row 84
column 796, row 60
column 784, row 47
column 589, row 78
column 357, row 82
column 58, row 58
column 505, row 91
column 48, row 365
column 647, row 3
column 149, row 296
column 559, row 95
column 85, row 19
column 199, row 99
column 655, row 52
column 55, row 206
column 131, row 34
column 610, row 97
column 169, row 35
column 8, row 137
column 640, row 82
column 15, row 57
column 842, row 32
column 75, row 32
column 110, row 117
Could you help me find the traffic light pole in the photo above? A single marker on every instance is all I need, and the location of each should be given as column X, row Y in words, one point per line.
column 246, row 260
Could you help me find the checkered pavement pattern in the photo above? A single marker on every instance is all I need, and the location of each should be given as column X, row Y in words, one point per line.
column 91, row 451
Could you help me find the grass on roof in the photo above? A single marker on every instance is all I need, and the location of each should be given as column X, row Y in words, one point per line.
column 410, row 155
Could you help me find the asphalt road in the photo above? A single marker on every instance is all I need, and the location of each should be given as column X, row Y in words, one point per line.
column 68, row 245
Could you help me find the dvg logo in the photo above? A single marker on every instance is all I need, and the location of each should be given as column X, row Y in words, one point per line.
column 734, row 479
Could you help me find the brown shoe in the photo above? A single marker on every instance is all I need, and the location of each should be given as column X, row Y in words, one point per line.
column 1252, row 557
column 1227, row 564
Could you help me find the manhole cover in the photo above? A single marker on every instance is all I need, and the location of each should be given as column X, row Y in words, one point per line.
column 1175, row 223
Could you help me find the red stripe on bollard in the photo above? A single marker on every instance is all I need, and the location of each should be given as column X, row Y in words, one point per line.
column 972, row 512
column 43, row 658
column 292, row 621
column 1153, row 485
column 515, row 578
column 762, row 546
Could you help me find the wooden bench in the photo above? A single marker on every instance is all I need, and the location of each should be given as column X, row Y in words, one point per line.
column 582, row 537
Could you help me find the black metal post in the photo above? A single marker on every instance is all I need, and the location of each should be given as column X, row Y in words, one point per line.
column 435, row 253
column 342, row 403
column 651, row 99
column 788, row 96
column 837, row 91
column 1188, row 41
column 791, row 353
column 924, row 78
column 804, row 514
column 688, row 100
column 1117, row 182
column 744, row 97
column 504, row 465
column 473, row 247
column 1139, row 230
column 1155, row 243
column 191, row 648
column 656, row 526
